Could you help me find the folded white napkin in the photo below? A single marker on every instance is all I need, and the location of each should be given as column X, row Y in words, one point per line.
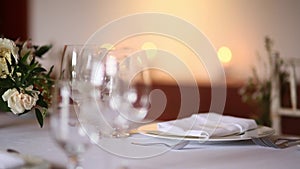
column 10, row 160
column 207, row 125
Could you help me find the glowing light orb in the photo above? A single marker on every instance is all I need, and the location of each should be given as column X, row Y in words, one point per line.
column 224, row 54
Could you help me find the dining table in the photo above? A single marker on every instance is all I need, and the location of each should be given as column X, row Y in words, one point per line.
column 24, row 135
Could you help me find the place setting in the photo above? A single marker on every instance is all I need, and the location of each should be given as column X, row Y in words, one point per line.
column 212, row 129
column 206, row 128
column 199, row 131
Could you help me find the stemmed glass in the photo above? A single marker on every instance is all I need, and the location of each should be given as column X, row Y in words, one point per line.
column 65, row 127
column 131, row 95
column 119, row 100
column 66, row 119
column 100, row 93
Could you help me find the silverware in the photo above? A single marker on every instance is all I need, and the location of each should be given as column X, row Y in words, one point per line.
column 177, row 146
column 276, row 142
column 160, row 133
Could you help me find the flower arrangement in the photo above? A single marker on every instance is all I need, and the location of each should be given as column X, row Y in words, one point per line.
column 257, row 90
column 24, row 84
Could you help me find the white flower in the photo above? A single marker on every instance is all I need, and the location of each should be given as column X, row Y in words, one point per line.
column 34, row 93
column 7, row 48
column 18, row 102
column 9, row 93
column 26, row 49
column 28, row 101
column 13, row 101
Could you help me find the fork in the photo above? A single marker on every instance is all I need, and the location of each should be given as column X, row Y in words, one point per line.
column 177, row 146
column 275, row 142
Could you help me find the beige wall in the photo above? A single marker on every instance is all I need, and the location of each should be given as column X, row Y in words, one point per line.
column 239, row 24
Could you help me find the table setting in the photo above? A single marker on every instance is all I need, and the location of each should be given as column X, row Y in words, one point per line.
column 28, row 139
column 98, row 119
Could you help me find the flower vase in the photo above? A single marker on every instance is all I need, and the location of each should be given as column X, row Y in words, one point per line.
column 10, row 119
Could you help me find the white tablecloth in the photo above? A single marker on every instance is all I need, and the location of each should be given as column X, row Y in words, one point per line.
column 25, row 136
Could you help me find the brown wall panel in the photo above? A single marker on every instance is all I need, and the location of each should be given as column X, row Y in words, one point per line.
column 14, row 19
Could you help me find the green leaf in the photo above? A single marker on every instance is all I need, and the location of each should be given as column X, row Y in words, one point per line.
column 41, row 102
column 42, row 50
column 38, row 70
column 39, row 117
column 13, row 62
column 50, row 71
column 6, row 83
column 31, row 66
column 32, row 61
column 24, row 58
column 32, row 72
column 8, row 65
column 3, row 106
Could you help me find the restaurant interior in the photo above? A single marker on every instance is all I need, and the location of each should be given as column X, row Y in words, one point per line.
column 239, row 31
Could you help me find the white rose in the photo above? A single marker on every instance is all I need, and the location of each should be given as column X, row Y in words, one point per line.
column 34, row 93
column 18, row 102
column 10, row 46
column 27, row 101
column 6, row 95
column 7, row 48
column 13, row 98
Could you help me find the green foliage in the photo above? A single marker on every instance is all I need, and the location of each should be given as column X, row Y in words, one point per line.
column 257, row 90
column 28, row 76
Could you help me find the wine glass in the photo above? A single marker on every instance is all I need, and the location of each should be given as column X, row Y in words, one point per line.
column 117, row 98
column 81, row 66
column 68, row 122
column 131, row 95
column 66, row 128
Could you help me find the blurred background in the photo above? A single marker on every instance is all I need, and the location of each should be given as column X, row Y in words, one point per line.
column 239, row 25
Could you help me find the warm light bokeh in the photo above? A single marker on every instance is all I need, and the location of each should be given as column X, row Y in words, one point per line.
column 240, row 24
column 182, row 57
column 224, row 54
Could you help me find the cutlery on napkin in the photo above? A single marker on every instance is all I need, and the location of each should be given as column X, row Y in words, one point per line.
column 207, row 125
column 10, row 160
